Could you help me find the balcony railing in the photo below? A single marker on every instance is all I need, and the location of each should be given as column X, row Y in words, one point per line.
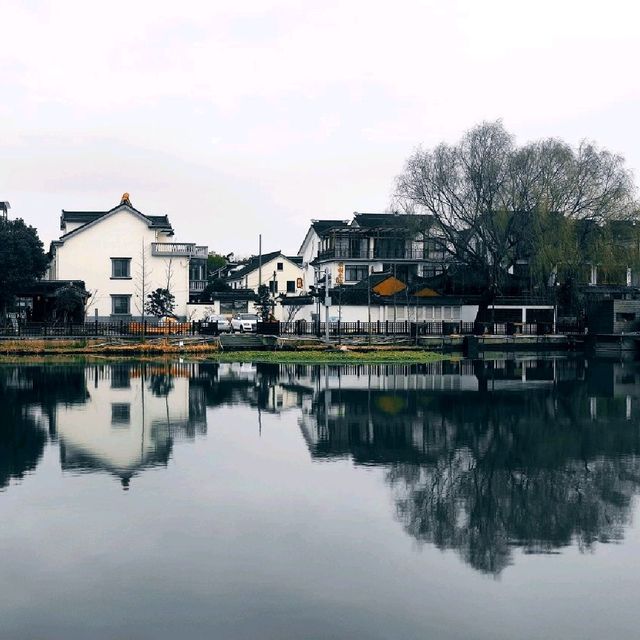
column 173, row 249
column 380, row 253
column 179, row 250
column 196, row 286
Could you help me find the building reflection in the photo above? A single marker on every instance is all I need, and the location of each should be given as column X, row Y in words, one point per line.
column 487, row 456
column 481, row 457
column 116, row 418
column 29, row 397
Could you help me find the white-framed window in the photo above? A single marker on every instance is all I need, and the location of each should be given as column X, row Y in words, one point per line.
column 120, row 268
column 121, row 305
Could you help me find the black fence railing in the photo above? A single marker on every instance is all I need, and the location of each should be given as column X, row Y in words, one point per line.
column 125, row 328
column 102, row 329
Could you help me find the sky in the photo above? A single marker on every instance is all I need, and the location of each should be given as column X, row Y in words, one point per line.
column 253, row 117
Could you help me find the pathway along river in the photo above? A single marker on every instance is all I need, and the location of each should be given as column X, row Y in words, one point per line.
column 493, row 499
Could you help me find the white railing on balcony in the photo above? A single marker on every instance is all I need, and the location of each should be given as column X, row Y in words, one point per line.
column 197, row 285
column 201, row 252
column 173, row 249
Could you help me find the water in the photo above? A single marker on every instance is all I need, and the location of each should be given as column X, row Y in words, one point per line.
column 455, row 500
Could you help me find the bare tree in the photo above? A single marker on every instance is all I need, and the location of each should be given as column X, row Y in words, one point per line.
column 143, row 285
column 89, row 300
column 169, row 274
column 292, row 312
column 483, row 196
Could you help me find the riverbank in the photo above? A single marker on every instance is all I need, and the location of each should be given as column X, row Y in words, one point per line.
column 210, row 351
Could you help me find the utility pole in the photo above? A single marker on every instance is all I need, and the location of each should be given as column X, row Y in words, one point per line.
column 327, row 302
column 259, row 260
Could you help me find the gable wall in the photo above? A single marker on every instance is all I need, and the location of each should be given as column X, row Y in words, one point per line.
column 87, row 256
column 290, row 272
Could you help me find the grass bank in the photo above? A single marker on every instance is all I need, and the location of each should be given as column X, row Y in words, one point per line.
column 369, row 356
column 89, row 350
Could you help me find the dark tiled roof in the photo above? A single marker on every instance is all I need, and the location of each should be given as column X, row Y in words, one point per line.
column 388, row 220
column 238, row 294
column 253, row 264
column 288, row 301
column 296, row 259
column 87, row 217
column 322, row 226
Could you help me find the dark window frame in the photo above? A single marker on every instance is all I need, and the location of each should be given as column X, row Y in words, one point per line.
column 120, row 261
column 361, row 272
column 291, row 286
column 115, row 296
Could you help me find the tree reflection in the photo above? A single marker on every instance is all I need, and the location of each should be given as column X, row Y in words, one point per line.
column 28, row 398
column 484, row 471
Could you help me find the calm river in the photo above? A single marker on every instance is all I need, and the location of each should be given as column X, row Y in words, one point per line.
column 493, row 499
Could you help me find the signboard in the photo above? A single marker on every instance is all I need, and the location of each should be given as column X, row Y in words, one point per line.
column 340, row 276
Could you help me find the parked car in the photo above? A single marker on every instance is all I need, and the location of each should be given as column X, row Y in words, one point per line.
column 244, row 322
column 223, row 323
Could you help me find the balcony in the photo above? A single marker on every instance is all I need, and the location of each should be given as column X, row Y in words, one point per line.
column 381, row 253
column 173, row 249
column 197, row 286
column 201, row 252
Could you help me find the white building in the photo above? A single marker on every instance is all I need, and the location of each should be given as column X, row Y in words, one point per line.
column 405, row 245
column 122, row 255
column 282, row 274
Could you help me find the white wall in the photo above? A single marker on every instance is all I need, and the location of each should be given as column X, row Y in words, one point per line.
column 308, row 252
column 353, row 313
column 87, row 256
column 290, row 272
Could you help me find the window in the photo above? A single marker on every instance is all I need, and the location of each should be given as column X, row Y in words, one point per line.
column 273, row 286
column 355, row 273
column 120, row 377
column 280, row 266
column 120, row 267
column 120, row 305
column 291, row 286
column 120, row 413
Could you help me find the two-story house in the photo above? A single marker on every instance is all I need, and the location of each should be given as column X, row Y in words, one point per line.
column 405, row 245
column 122, row 255
column 282, row 274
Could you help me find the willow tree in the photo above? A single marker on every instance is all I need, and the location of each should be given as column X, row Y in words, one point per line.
column 492, row 203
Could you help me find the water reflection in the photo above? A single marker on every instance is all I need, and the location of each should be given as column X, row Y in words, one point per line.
column 116, row 418
column 485, row 456
column 480, row 457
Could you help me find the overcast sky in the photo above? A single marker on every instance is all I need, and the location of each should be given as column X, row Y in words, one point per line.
column 240, row 118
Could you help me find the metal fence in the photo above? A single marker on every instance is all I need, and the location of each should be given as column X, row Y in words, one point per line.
column 100, row 329
column 405, row 328
column 125, row 328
